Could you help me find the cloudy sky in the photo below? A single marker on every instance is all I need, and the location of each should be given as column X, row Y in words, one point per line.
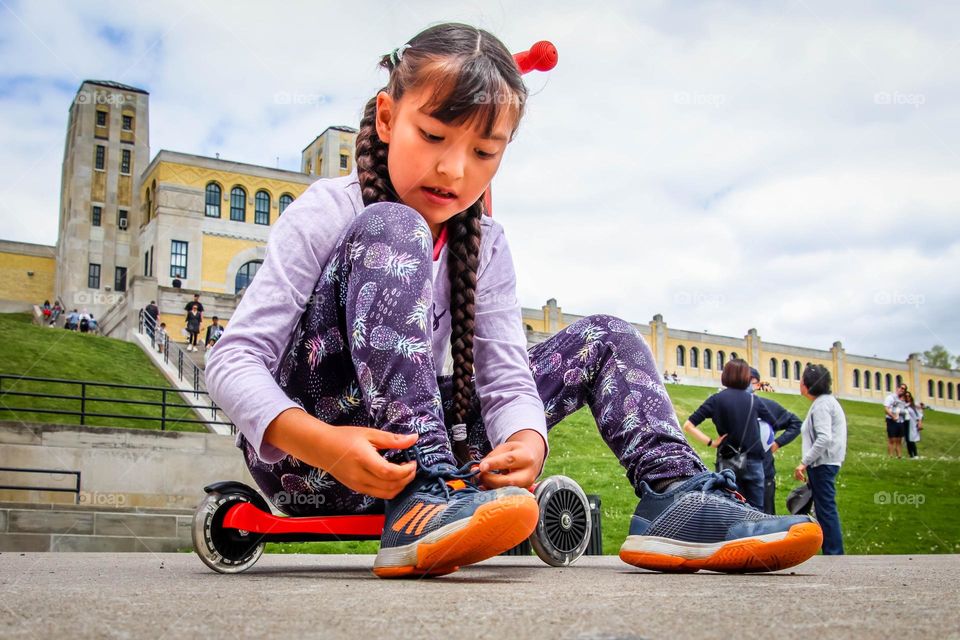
column 793, row 167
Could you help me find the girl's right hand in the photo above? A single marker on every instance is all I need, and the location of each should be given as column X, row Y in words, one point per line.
column 355, row 460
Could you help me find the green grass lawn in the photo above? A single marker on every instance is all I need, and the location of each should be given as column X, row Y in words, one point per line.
column 886, row 506
column 42, row 352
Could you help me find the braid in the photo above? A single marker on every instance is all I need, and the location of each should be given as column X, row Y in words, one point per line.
column 463, row 258
column 371, row 154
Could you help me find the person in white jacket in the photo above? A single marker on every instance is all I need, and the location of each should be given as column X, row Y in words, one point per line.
column 824, row 436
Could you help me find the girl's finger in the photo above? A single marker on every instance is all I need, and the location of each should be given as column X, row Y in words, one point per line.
column 378, row 467
column 498, row 461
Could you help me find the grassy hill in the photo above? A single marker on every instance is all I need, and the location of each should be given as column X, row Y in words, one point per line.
column 42, row 352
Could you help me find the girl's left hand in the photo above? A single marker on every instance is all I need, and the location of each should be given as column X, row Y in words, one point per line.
column 800, row 473
column 518, row 461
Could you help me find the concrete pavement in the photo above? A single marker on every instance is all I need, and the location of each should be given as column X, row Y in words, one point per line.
column 145, row 595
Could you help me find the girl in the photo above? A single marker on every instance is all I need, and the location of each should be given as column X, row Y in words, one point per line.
column 384, row 317
column 193, row 327
column 914, row 423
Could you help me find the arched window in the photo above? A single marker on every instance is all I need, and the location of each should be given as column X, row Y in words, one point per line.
column 888, row 380
column 707, row 359
column 721, row 360
column 876, row 379
column 245, row 275
column 949, row 391
column 785, row 369
column 681, row 353
column 899, row 381
column 856, row 378
column 940, row 389
column 773, row 367
column 285, row 201
column 261, row 208
column 796, row 370
column 734, row 356
column 213, row 200
column 930, row 388
column 866, row 380
column 694, row 357
column 238, row 204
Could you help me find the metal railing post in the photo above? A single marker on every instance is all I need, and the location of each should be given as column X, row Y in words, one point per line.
column 163, row 410
column 83, row 403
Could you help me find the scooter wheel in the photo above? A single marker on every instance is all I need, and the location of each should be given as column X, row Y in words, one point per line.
column 222, row 549
column 563, row 531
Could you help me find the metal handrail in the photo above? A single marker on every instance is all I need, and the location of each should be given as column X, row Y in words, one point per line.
column 75, row 490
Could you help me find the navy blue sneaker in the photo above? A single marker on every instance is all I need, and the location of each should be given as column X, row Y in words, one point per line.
column 703, row 523
column 442, row 521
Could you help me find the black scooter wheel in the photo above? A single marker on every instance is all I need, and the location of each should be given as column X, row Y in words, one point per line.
column 224, row 550
column 563, row 531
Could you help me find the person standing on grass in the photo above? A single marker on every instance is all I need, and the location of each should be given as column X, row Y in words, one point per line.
column 824, row 434
column 894, row 407
column 787, row 422
column 913, row 422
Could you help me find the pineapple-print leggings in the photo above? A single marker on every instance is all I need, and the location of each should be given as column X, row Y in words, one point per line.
column 362, row 355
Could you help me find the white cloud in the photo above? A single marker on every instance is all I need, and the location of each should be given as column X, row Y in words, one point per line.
column 790, row 168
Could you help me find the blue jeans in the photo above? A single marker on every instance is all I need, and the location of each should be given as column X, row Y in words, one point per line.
column 750, row 481
column 823, row 484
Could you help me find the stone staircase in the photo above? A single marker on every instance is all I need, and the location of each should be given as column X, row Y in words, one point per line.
column 63, row 527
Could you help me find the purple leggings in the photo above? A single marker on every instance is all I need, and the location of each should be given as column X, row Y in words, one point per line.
column 362, row 355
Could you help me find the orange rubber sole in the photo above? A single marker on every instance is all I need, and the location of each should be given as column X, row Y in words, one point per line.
column 493, row 528
column 748, row 555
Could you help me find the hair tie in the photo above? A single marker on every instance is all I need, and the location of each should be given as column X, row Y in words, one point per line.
column 397, row 54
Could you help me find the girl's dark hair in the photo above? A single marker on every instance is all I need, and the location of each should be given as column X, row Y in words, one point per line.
column 736, row 374
column 473, row 80
column 816, row 378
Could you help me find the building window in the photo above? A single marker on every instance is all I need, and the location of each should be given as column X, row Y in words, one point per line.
column 125, row 161
column 796, row 370
column 733, row 355
column 101, row 158
column 285, row 201
column 899, row 381
column 785, row 370
column 93, row 276
column 866, row 380
column 245, row 275
column 856, row 378
column 238, row 204
column 949, row 391
column 101, row 118
column 681, row 356
column 146, row 263
column 888, row 379
column 876, row 379
column 261, row 208
column 213, row 200
column 773, row 367
column 694, row 357
column 96, row 215
column 122, row 219
column 930, row 388
column 128, row 123
column 721, row 360
column 707, row 359
column 178, row 259
column 940, row 389
column 344, row 160
column 120, row 279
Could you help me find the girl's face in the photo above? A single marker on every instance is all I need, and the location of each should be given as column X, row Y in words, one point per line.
column 426, row 154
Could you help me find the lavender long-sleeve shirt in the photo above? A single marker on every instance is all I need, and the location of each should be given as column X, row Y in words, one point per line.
column 240, row 371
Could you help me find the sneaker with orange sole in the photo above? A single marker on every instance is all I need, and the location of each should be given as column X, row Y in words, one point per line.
column 443, row 521
column 704, row 523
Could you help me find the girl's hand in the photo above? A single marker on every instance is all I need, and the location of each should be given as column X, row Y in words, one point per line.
column 355, row 460
column 518, row 461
